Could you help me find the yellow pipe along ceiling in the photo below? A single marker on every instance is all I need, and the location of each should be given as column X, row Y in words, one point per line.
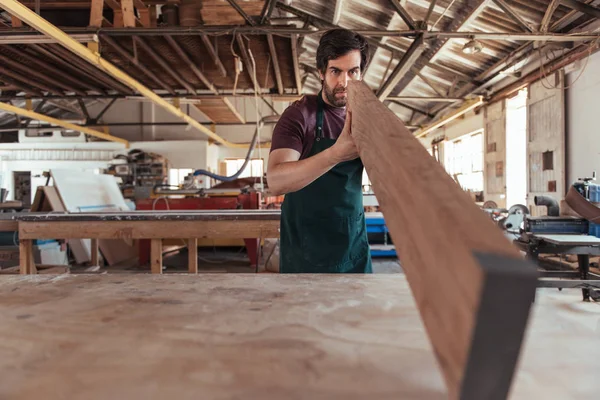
column 40, row 117
column 35, row 21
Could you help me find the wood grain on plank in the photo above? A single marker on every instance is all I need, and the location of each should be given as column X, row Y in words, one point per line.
column 128, row 15
column 258, row 337
column 149, row 229
column 441, row 236
column 96, row 10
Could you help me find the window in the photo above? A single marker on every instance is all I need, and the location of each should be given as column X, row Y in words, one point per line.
column 176, row 175
column 253, row 169
column 464, row 161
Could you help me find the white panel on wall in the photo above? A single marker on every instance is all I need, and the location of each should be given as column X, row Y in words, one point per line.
column 546, row 141
column 583, row 138
column 495, row 153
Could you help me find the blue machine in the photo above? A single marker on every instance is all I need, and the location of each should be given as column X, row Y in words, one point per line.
column 376, row 225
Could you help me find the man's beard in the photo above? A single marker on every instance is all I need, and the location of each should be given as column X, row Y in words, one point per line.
column 330, row 95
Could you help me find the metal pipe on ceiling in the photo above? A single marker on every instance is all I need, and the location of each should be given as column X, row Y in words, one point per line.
column 468, row 106
column 32, row 19
column 67, row 125
column 84, row 35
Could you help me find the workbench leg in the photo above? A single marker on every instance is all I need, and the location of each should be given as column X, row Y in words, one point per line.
column 193, row 256
column 156, row 256
column 252, row 250
column 584, row 268
column 26, row 259
column 95, row 253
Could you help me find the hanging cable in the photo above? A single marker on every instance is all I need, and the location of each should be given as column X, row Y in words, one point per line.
column 239, row 172
column 256, row 101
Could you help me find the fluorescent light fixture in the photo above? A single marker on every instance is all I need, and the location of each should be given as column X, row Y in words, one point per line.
column 473, row 46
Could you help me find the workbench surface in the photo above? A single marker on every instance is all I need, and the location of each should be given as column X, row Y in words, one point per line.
column 259, row 337
column 174, row 215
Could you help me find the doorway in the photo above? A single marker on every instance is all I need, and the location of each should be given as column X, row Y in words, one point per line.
column 516, row 149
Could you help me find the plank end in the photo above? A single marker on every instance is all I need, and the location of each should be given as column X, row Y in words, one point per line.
column 508, row 292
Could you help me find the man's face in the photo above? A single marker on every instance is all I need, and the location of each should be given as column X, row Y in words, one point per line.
column 336, row 77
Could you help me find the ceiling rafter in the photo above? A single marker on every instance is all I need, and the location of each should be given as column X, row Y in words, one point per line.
column 508, row 10
column 468, row 15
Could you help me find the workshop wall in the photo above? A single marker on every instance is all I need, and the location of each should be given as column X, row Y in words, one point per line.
column 180, row 153
column 583, row 139
column 132, row 111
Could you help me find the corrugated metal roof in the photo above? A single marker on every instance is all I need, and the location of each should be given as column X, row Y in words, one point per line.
column 443, row 69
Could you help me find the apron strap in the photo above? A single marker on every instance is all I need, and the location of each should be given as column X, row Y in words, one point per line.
column 320, row 112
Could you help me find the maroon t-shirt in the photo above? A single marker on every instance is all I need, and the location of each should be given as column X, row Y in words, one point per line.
column 296, row 126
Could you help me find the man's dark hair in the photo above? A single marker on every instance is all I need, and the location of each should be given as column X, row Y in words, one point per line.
column 339, row 42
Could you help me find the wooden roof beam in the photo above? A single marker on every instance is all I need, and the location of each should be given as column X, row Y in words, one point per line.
column 582, row 7
column 267, row 11
column 275, row 63
column 296, row 63
column 404, row 65
column 165, row 66
column 45, row 66
column 251, row 71
column 548, row 15
column 213, row 53
column 19, row 77
column 240, row 11
column 192, row 65
column 508, row 10
column 404, row 14
column 42, row 76
column 125, row 54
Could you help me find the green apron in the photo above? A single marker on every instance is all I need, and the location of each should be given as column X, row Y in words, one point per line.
column 323, row 227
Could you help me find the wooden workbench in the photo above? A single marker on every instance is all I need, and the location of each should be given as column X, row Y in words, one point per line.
column 259, row 337
column 188, row 225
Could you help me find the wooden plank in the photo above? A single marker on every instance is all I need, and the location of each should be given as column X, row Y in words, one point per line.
column 15, row 22
column 8, row 225
column 128, row 15
column 469, row 282
column 156, row 256
column 118, row 21
column 96, row 17
column 233, row 110
column 220, row 12
column 362, row 336
column 149, row 229
column 193, row 256
column 145, row 17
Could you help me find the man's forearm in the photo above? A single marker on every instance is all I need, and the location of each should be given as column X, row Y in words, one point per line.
column 292, row 176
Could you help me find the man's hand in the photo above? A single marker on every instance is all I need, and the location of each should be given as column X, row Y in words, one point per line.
column 344, row 148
